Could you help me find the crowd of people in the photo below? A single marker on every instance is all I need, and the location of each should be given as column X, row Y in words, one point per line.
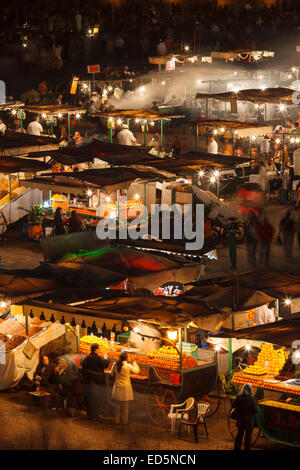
column 55, row 33
column 76, row 383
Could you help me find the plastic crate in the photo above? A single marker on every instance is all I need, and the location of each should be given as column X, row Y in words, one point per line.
column 123, row 336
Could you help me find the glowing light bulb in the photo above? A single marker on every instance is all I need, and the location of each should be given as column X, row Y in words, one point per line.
column 213, row 179
column 218, row 347
column 2, row 304
column 90, row 192
column 222, row 129
column 44, row 115
column 119, row 122
column 186, row 48
column 137, row 120
column 282, row 107
column 215, row 131
column 137, row 196
column 287, row 301
column 277, row 141
column 248, row 347
column 201, row 173
column 59, row 115
column 163, row 82
column 77, row 115
column 216, row 173
column 110, row 88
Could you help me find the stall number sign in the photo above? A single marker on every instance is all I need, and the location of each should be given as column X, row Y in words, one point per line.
column 282, row 419
column 93, row 68
column 170, row 65
column 74, row 86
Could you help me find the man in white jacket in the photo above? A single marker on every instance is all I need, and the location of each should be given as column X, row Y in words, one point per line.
column 34, row 127
column 125, row 136
column 263, row 315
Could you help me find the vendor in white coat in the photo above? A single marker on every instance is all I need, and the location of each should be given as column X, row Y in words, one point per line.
column 212, row 146
column 263, row 315
column 34, row 127
column 125, row 136
column 122, row 391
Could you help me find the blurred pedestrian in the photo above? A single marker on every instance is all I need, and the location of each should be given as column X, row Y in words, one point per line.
column 265, row 236
column 251, row 232
column 287, row 229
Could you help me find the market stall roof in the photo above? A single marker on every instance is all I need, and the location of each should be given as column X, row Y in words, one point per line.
column 283, row 332
column 223, row 297
column 195, row 160
column 17, row 285
column 17, row 143
column 257, row 96
column 54, row 109
column 113, row 154
column 162, row 310
column 109, row 179
column 163, row 59
column 273, row 283
column 138, row 114
column 17, row 165
column 11, row 105
column 241, row 129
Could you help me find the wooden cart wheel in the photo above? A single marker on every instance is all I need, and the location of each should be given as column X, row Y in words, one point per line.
column 158, row 400
column 214, row 400
column 232, row 428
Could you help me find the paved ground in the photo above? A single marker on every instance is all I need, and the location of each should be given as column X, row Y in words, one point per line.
column 54, row 430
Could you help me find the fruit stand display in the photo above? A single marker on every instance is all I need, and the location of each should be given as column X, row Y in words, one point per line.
column 161, row 379
column 278, row 419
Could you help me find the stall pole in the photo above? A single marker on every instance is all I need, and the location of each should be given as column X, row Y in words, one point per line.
column 118, row 204
column 180, row 348
column 197, row 137
column 69, row 197
column 145, row 195
column 128, row 123
column 9, row 188
column 50, row 197
column 250, row 149
column 77, row 330
column 99, row 204
column 26, row 326
column 21, row 120
column 111, row 132
column 69, row 125
column 206, row 108
column 145, row 137
column 161, row 132
column 185, row 334
column 233, row 143
column 230, row 358
column 51, row 126
column 283, row 159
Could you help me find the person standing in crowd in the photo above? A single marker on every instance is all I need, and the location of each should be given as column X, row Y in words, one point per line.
column 287, row 229
column 251, row 232
column 75, row 222
column 93, row 375
column 125, row 136
column 212, row 146
column 265, row 235
column 246, row 410
column 63, row 384
column 262, row 174
column 2, row 127
column 58, row 223
column 34, row 127
column 176, row 146
column 122, row 391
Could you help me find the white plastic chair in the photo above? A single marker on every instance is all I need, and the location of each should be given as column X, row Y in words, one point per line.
column 202, row 410
column 179, row 410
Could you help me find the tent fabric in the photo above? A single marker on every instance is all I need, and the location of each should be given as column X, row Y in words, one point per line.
column 273, row 283
column 257, row 96
column 283, row 332
column 53, row 109
column 219, row 208
column 138, row 113
column 223, row 297
column 229, row 124
column 18, row 165
column 14, row 210
column 110, row 153
column 18, row 143
column 14, row 364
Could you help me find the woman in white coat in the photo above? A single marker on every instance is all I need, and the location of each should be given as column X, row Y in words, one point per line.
column 122, row 391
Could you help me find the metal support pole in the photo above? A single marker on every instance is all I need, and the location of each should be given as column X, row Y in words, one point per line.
column 118, row 204
column 233, row 143
column 69, row 125
column 185, row 334
column 283, row 159
column 230, row 358
column 69, row 197
column 99, row 204
column 145, row 137
column 26, row 326
column 21, row 120
column 180, row 348
column 51, row 127
column 145, row 195
column 161, row 132
column 111, row 132
column 250, row 149
column 9, row 188
column 197, row 137
column 128, row 122
column 50, row 198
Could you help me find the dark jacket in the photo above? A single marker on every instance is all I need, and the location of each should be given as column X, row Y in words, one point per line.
column 93, row 369
column 45, row 373
column 246, row 407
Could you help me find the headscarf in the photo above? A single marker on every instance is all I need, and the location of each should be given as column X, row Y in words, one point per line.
column 247, row 389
